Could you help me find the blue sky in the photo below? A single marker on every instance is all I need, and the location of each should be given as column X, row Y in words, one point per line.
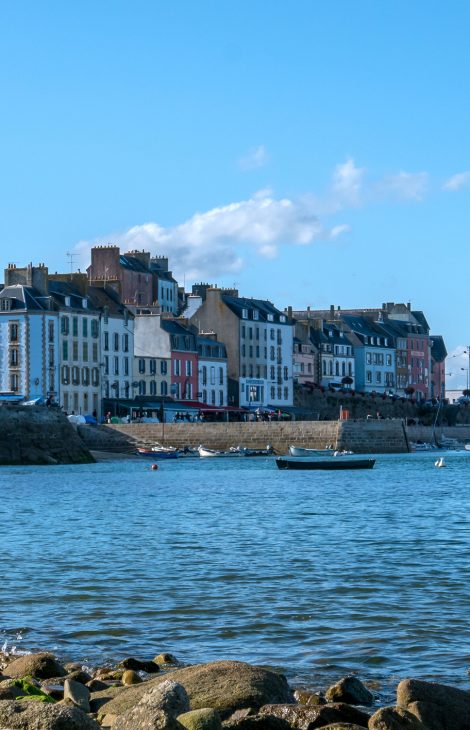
column 310, row 152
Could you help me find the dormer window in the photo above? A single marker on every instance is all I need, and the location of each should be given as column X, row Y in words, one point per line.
column 84, row 303
column 67, row 301
column 6, row 305
column 270, row 318
column 282, row 318
column 245, row 313
column 255, row 314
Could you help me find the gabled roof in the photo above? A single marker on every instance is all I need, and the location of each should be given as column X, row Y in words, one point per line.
column 438, row 349
column 25, row 298
column 100, row 298
column 59, row 290
column 263, row 307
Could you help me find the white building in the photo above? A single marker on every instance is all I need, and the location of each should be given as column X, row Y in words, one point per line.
column 28, row 343
column 212, row 371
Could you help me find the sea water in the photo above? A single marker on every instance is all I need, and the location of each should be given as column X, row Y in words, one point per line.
column 319, row 574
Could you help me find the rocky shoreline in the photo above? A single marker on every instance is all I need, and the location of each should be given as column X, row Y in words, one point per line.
column 38, row 692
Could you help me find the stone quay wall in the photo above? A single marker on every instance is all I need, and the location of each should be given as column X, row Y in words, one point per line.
column 362, row 437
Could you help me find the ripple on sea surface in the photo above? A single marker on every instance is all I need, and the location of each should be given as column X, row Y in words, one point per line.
column 318, row 573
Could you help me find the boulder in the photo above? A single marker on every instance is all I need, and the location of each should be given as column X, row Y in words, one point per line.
column 349, row 690
column 394, row 718
column 306, row 718
column 131, row 677
column 256, row 722
column 157, row 709
column 41, row 665
column 166, row 658
column 341, row 726
column 309, row 698
column 80, row 676
column 225, row 686
column 96, row 685
column 39, row 716
column 203, row 719
column 437, row 706
column 138, row 666
column 77, row 693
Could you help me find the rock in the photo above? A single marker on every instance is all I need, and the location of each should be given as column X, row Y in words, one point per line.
column 225, row 686
column 394, row 718
column 157, row 709
column 241, row 714
column 130, row 677
column 341, row 726
column 349, row 690
column 309, row 698
column 437, row 706
column 256, row 722
column 306, row 718
column 80, row 676
column 96, row 685
column 78, row 694
column 138, row 666
column 203, row 719
column 41, row 665
column 166, row 658
column 39, row 716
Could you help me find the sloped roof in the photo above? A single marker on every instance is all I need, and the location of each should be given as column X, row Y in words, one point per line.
column 134, row 264
column 263, row 307
column 24, row 298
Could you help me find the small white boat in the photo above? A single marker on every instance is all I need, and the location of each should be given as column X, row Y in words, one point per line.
column 440, row 462
column 158, row 447
column 203, row 451
column 421, row 446
column 329, row 451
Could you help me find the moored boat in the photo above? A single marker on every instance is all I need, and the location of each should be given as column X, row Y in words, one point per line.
column 203, row 451
column 158, row 454
column 286, row 462
column 328, row 451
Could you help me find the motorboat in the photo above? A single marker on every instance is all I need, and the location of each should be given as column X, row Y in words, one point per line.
column 158, row 454
column 299, row 451
column 158, row 448
column 287, row 462
column 203, row 451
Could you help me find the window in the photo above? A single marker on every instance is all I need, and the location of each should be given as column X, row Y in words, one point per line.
column 257, row 333
column 153, row 367
column 51, row 357
column 255, row 314
column 65, row 350
column 95, row 376
column 142, row 387
column 106, row 341
column 272, row 333
column 75, row 326
column 94, row 328
column 257, row 350
column 336, row 367
column 85, row 327
column 286, row 393
column 116, row 365
column 75, row 350
column 221, row 376
column 126, row 365
column 125, row 343
column 95, row 351
column 189, row 368
column 85, row 376
column 85, row 351
column 378, row 377
column 64, row 325
column 50, row 329
column 141, row 365
column 6, row 305
column 250, row 333
column 65, row 374
column 116, row 342
column 243, row 331
column 286, row 372
column 212, row 375
column 14, row 357
column 13, row 333
column 76, row 375
column 388, row 359
column 273, row 392
column 270, row 318
column 251, row 350
column 272, row 353
column 245, row 313
column 177, row 367
column 163, row 388
column 163, row 367
column 272, row 372
column 106, row 365
column 368, row 376
column 153, row 387
column 14, row 381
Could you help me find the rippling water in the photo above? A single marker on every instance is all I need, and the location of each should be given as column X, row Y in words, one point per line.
column 319, row 574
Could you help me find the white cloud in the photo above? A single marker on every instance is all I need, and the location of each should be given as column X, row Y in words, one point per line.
column 255, row 158
column 339, row 230
column 460, row 180
column 347, row 182
column 405, row 185
column 214, row 242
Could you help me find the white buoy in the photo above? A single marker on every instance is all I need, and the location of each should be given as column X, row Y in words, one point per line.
column 440, row 462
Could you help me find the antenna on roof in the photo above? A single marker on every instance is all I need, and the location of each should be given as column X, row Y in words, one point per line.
column 71, row 257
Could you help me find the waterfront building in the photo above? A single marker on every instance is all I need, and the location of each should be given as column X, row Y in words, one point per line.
column 375, row 352
column 336, row 354
column 305, row 357
column 29, row 339
column 152, row 357
column 438, row 362
column 259, row 342
column 212, row 370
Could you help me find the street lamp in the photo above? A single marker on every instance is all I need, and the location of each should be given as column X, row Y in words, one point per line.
column 468, row 377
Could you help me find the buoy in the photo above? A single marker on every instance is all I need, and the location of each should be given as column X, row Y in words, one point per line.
column 440, row 462
column 154, row 467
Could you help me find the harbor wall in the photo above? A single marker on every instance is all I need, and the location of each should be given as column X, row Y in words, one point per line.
column 362, row 437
